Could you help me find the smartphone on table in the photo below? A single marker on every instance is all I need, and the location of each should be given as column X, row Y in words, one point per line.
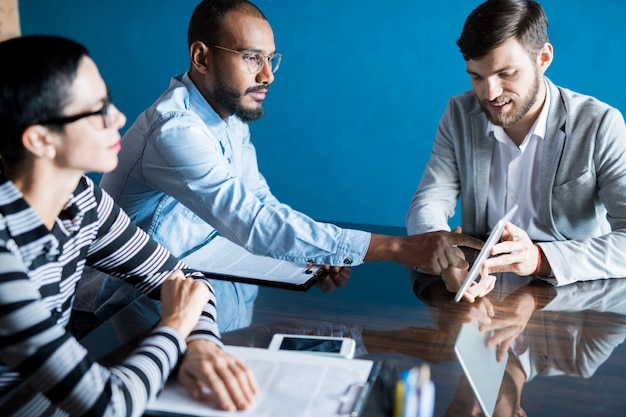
column 324, row 345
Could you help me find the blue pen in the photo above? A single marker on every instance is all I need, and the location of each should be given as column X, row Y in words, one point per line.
column 411, row 404
column 415, row 393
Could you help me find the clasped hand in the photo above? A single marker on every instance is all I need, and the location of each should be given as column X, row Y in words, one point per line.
column 515, row 253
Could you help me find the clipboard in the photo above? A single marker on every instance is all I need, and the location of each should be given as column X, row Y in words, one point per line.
column 268, row 281
column 485, row 252
column 219, row 258
column 308, row 385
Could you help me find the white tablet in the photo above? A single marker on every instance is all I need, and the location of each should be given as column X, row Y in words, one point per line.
column 494, row 238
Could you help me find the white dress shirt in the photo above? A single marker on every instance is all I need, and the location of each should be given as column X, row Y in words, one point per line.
column 514, row 177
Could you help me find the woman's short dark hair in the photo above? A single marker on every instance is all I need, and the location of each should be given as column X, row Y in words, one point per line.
column 207, row 19
column 495, row 21
column 36, row 73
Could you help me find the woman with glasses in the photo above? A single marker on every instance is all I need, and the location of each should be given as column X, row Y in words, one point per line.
column 56, row 124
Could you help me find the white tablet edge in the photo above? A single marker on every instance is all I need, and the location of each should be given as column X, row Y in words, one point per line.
column 494, row 238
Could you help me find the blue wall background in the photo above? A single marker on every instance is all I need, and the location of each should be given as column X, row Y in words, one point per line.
column 353, row 111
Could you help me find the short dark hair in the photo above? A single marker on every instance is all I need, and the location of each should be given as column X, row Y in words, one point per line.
column 207, row 19
column 36, row 73
column 495, row 21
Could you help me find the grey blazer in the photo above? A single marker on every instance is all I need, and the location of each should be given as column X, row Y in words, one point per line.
column 583, row 182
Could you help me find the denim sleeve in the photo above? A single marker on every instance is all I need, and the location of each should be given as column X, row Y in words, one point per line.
column 251, row 175
column 220, row 183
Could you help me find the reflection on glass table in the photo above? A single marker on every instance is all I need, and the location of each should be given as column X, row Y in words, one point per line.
column 565, row 345
column 548, row 332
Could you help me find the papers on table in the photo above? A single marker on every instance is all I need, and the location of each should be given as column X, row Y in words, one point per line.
column 292, row 384
column 222, row 259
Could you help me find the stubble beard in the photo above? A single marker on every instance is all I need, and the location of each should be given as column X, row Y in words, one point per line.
column 230, row 98
column 519, row 111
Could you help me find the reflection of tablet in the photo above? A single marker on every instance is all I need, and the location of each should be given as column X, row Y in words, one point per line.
column 479, row 363
column 494, row 238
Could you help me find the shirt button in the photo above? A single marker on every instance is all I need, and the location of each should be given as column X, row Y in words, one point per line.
column 514, row 198
column 347, row 261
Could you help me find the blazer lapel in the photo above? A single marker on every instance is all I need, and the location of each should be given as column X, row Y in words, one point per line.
column 553, row 145
column 483, row 146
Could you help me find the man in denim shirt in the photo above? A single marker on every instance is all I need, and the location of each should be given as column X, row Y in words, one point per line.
column 188, row 170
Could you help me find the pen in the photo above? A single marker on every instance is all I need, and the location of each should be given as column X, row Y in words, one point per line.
column 411, row 400
column 425, row 393
column 398, row 408
column 415, row 393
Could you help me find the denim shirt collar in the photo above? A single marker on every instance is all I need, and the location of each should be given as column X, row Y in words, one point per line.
column 202, row 107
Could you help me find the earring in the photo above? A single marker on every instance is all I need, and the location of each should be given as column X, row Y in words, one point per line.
column 50, row 152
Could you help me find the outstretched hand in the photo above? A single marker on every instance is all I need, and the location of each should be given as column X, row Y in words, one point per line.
column 441, row 250
column 431, row 252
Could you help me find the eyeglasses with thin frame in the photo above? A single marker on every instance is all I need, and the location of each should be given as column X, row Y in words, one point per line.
column 104, row 112
column 255, row 60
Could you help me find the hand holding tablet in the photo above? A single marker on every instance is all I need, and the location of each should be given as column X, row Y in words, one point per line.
column 494, row 238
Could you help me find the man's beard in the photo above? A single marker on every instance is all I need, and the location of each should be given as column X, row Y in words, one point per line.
column 230, row 99
column 520, row 109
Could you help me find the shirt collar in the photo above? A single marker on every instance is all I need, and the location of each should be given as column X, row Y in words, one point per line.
column 201, row 106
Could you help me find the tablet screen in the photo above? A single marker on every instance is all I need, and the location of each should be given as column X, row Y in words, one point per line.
column 494, row 238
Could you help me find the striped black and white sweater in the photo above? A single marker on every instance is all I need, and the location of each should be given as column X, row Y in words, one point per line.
column 39, row 270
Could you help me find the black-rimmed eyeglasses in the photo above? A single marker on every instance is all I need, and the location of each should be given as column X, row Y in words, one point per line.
column 104, row 112
column 256, row 60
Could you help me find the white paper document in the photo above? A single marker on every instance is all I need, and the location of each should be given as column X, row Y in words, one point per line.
column 292, row 384
column 222, row 259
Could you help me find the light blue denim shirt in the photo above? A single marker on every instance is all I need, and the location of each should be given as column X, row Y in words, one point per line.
column 185, row 174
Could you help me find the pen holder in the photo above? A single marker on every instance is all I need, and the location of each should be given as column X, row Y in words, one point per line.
column 415, row 393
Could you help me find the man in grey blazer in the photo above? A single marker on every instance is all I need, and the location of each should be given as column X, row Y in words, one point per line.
column 516, row 138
